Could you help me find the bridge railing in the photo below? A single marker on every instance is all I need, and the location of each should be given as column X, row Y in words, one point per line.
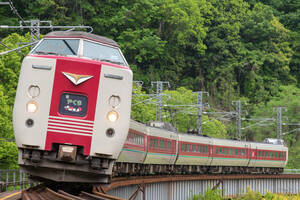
column 291, row 171
column 14, row 179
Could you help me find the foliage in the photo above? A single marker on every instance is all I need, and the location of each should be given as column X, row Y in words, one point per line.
column 248, row 195
column 179, row 109
column 9, row 71
column 208, row 195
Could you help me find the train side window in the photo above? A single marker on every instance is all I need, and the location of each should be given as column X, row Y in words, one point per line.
column 185, row 147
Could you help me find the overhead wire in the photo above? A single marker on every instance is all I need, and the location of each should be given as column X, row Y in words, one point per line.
column 19, row 16
column 19, row 52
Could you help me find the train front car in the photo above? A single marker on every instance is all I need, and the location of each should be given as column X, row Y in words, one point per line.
column 72, row 107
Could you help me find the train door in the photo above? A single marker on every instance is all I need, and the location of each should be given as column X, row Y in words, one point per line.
column 253, row 155
column 174, row 147
column 210, row 151
column 248, row 153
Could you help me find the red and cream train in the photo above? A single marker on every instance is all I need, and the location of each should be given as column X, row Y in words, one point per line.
column 72, row 107
column 72, row 114
column 154, row 149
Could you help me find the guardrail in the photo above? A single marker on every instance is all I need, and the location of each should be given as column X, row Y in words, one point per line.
column 14, row 179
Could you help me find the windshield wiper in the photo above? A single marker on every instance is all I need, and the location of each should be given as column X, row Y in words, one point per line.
column 73, row 52
column 111, row 61
column 46, row 53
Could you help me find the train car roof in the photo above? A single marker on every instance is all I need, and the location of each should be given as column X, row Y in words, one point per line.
column 81, row 34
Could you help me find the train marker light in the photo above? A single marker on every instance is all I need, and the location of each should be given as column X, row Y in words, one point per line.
column 33, row 91
column 112, row 116
column 32, row 106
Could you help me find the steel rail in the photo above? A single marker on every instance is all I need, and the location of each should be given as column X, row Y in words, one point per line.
column 42, row 192
column 141, row 180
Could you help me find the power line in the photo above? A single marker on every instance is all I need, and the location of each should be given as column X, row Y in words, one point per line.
column 19, row 52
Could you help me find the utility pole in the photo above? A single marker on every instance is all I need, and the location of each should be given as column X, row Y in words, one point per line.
column 279, row 121
column 238, row 109
column 200, row 109
column 159, row 89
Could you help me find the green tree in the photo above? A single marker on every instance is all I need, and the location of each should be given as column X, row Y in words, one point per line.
column 9, row 71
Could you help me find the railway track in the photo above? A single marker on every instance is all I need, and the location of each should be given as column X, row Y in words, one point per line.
column 42, row 192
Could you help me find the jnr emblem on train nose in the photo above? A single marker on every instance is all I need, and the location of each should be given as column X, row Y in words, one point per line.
column 77, row 78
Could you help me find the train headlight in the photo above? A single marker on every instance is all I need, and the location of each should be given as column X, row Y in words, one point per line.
column 32, row 106
column 112, row 116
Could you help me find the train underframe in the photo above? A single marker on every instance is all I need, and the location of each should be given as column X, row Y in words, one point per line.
column 121, row 169
column 46, row 165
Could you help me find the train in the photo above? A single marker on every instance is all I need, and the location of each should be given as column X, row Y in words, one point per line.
column 157, row 148
column 72, row 123
column 72, row 107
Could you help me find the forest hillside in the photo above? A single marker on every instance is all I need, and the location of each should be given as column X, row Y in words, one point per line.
column 245, row 50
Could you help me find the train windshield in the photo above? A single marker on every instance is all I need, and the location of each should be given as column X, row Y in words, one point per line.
column 102, row 53
column 57, row 47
